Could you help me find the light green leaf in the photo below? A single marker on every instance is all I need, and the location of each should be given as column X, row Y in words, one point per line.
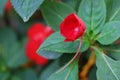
column 113, row 10
column 93, row 13
column 107, row 68
column 55, row 12
column 2, row 6
column 56, row 43
column 110, row 33
column 26, row 8
column 69, row 73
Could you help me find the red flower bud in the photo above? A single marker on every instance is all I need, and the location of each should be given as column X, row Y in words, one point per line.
column 72, row 27
column 37, row 34
column 8, row 6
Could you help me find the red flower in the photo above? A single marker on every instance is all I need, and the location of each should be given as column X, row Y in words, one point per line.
column 8, row 6
column 37, row 34
column 72, row 27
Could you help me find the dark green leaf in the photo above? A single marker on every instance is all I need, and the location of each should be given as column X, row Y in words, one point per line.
column 55, row 12
column 109, row 33
column 56, row 43
column 113, row 10
column 105, row 66
column 2, row 6
column 69, row 73
column 92, row 73
column 93, row 13
column 26, row 8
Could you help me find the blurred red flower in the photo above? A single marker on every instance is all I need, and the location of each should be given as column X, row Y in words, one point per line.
column 8, row 6
column 36, row 35
column 72, row 27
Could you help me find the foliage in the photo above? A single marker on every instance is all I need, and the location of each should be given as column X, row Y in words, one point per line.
column 100, row 40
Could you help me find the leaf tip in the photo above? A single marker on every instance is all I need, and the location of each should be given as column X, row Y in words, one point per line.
column 25, row 19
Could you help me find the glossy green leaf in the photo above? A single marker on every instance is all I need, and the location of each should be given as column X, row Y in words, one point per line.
column 2, row 6
column 69, row 73
column 55, row 12
column 50, row 54
column 26, row 8
column 107, row 68
column 113, row 10
column 56, row 43
column 93, row 13
column 113, row 51
column 110, row 33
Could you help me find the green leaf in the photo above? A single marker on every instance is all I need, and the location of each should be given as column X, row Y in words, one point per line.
column 26, row 74
column 11, row 50
column 113, row 10
column 7, row 36
column 26, row 8
column 93, row 13
column 29, row 74
column 55, row 12
column 113, row 51
column 50, row 54
column 105, row 66
column 77, row 4
column 4, row 75
column 109, row 33
column 92, row 73
column 49, row 70
column 15, row 78
column 14, row 54
column 69, row 73
column 2, row 6
column 56, row 43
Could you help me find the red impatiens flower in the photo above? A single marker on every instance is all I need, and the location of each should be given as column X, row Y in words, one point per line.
column 36, row 35
column 72, row 27
column 8, row 6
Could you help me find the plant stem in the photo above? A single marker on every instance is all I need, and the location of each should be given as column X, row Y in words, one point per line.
column 75, row 56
